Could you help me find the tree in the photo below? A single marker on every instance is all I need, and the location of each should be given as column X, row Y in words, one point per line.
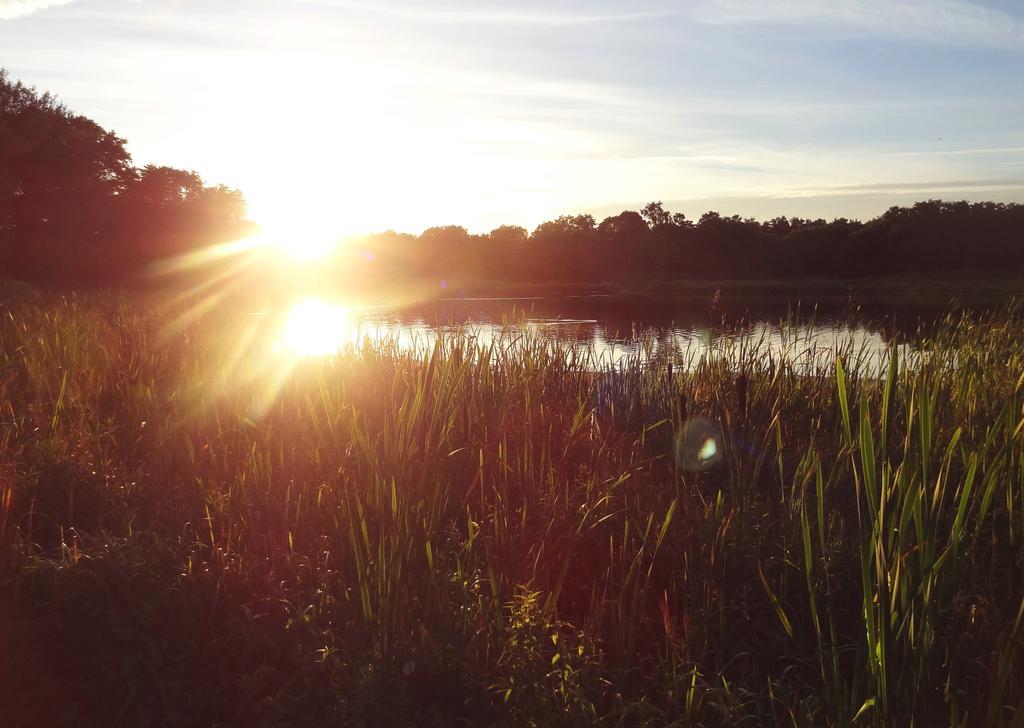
column 507, row 252
column 508, row 236
column 622, row 229
column 655, row 214
column 680, row 221
column 166, row 187
column 565, row 248
column 61, row 174
column 73, row 207
column 448, row 252
column 620, row 237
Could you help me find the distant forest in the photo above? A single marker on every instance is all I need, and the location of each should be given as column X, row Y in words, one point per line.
column 74, row 210
column 653, row 244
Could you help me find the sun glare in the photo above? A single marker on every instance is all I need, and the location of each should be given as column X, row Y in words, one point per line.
column 300, row 241
column 317, row 328
column 308, row 246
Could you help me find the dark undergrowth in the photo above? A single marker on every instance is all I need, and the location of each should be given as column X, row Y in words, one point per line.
column 195, row 530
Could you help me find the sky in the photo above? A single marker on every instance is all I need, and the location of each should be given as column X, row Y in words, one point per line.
column 364, row 115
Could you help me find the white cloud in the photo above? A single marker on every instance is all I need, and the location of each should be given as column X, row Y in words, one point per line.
column 918, row 187
column 504, row 16
column 17, row 8
column 960, row 152
column 953, row 22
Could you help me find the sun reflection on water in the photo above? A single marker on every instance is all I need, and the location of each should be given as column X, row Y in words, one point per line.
column 275, row 346
column 315, row 327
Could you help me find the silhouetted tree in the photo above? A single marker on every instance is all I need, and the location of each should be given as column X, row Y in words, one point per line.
column 625, row 248
column 566, row 245
column 507, row 248
column 655, row 214
column 73, row 207
column 622, row 229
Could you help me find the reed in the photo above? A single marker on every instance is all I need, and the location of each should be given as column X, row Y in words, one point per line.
column 505, row 532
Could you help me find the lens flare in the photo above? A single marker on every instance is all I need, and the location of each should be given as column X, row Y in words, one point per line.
column 708, row 450
column 300, row 236
column 697, row 445
column 306, row 246
column 317, row 328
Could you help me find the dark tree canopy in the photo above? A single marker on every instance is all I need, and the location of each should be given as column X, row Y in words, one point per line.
column 73, row 208
column 654, row 244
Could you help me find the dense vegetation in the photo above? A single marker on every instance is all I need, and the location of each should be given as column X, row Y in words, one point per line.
column 193, row 534
column 73, row 209
column 634, row 248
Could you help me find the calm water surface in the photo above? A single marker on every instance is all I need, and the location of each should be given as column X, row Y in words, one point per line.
column 607, row 330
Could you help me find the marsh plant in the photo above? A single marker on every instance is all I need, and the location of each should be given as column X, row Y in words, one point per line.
column 473, row 533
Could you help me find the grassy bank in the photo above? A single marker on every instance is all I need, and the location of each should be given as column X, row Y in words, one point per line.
column 194, row 533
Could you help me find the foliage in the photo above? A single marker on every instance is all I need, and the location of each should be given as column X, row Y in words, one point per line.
column 73, row 208
column 500, row 534
column 653, row 246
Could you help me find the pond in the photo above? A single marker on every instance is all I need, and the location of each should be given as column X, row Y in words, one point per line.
column 605, row 331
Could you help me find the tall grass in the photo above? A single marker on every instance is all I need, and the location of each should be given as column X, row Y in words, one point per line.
column 498, row 534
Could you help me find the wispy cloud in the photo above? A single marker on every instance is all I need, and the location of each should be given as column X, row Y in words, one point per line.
column 16, row 8
column 959, row 152
column 502, row 16
column 486, row 111
column 948, row 186
column 952, row 22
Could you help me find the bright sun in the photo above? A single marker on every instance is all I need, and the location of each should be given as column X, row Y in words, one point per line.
column 303, row 241
column 317, row 328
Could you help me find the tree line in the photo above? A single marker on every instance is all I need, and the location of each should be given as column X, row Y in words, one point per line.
column 75, row 210
column 654, row 244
